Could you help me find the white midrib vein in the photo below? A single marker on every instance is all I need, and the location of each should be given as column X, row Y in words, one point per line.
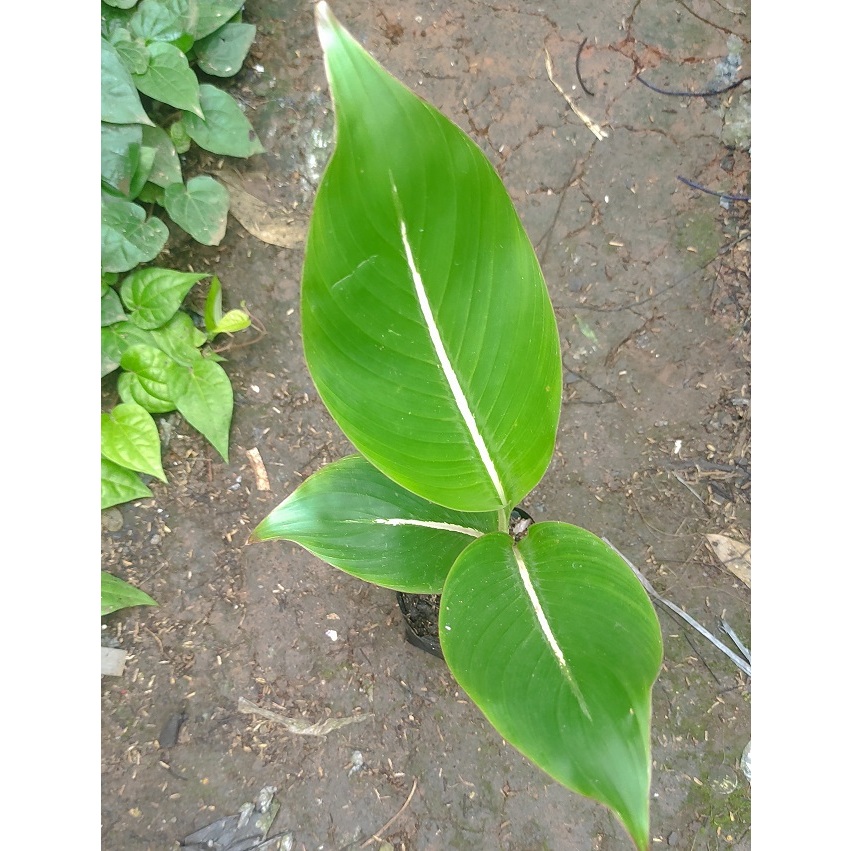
column 548, row 634
column 429, row 524
column 445, row 363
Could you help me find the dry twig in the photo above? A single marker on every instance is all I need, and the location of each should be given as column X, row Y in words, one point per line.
column 588, row 122
column 376, row 837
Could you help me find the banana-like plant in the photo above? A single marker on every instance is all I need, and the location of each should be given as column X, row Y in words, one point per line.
column 430, row 336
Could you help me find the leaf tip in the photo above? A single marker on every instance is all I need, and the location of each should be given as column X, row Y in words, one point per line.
column 326, row 23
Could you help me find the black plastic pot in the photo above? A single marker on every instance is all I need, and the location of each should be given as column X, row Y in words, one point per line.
column 420, row 612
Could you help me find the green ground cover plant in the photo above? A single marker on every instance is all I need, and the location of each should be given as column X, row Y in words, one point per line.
column 154, row 106
column 429, row 333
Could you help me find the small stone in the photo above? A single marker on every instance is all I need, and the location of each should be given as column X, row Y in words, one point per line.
column 673, row 839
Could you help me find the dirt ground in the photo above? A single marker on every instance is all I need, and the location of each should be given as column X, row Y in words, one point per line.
column 650, row 279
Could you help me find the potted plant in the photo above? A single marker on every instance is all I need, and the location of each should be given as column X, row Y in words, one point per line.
column 429, row 333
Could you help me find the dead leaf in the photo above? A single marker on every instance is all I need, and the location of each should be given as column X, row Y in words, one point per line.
column 269, row 223
column 734, row 555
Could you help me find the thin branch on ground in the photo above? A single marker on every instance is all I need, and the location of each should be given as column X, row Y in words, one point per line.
column 588, row 122
column 738, row 661
column 710, row 93
column 694, row 185
column 578, row 75
column 376, row 837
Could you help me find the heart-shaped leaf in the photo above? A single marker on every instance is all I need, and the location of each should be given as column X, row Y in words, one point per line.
column 129, row 437
column 200, row 208
column 155, row 295
column 128, row 237
column 355, row 518
column 213, row 14
column 427, row 325
column 202, row 392
column 223, row 129
column 222, row 53
column 168, row 78
column 558, row 644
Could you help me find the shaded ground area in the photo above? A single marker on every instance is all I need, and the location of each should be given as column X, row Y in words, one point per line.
column 650, row 279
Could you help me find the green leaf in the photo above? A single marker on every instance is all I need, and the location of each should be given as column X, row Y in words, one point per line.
column 558, row 644
column 222, row 53
column 132, row 51
column 179, row 339
column 168, row 78
column 119, row 154
column 118, row 484
column 214, row 14
column 200, row 208
column 155, row 295
column 215, row 321
column 166, row 168
column 127, row 237
column 427, row 325
column 355, row 518
column 204, row 396
column 145, row 379
column 119, row 100
column 129, row 437
column 164, row 20
column 111, row 309
column 117, row 594
column 143, row 170
column 224, row 129
column 115, row 340
column 121, row 4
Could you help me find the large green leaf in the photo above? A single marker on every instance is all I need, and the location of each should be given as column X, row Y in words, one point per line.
column 127, row 236
column 223, row 129
column 213, row 14
column 427, row 325
column 129, row 438
column 558, row 644
column 119, row 100
column 203, row 394
column 168, row 78
column 164, row 20
column 222, row 53
column 200, row 208
column 355, row 518
column 155, row 294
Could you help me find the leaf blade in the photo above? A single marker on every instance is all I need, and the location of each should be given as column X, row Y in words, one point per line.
column 353, row 517
column 575, row 701
column 414, row 252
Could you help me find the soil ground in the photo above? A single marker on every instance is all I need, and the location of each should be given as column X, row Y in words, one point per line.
column 650, row 279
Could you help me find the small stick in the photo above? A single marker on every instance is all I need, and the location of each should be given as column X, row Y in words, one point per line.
column 376, row 837
column 712, row 191
column 739, row 662
column 591, row 125
column 578, row 75
column 258, row 468
column 708, row 94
